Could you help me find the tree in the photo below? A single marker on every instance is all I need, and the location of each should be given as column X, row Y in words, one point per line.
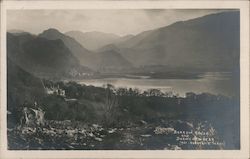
column 111, row 106
column 155, row 92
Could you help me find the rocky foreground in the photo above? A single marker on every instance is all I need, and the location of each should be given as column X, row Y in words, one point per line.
column 65, row 135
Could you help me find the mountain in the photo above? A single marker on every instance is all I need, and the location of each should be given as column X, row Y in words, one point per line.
column 135, row 40
column 93, row 60
column 93, row 40
column 42, row 57
column 123, row 38
column 16, row 31
column 84, row 56
column 208, row 43
column 112, row 61
column 109, row 47
column 113, row 46
column 22, row 86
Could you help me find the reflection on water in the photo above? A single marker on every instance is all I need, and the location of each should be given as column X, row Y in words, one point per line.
column 211, row 82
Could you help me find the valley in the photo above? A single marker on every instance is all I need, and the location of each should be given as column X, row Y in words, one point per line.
column 175, row 87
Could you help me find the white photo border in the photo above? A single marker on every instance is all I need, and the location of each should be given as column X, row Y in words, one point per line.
column 243, row 6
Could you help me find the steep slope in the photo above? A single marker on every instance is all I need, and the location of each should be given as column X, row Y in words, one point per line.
column 124, row 38
column 84, row 56
column 93, row 40
column 135, row 40
column 109, row 47
column 42, row 57
column 110, row 61
column 17, row 32
column 209, row 43
column 95, row 61
column 22, row 86
column 113, row 46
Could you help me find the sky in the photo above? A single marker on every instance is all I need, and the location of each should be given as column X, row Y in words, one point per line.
column 120, row 22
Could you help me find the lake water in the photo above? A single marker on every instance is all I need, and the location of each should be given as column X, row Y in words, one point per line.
column 212, row 82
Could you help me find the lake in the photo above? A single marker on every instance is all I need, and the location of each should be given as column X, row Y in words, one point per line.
column 223, row 83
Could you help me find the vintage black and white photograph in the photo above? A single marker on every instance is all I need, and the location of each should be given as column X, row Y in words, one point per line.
column 123, row 79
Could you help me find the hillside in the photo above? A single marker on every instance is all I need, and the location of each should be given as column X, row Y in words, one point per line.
column 42, row 57
column 93, row 40
column 82, row 54
column 208, row 43
column 95, row 61
column 22, row 87
column 110, row 61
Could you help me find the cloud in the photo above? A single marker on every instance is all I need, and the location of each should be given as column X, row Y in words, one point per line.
column 121, row 22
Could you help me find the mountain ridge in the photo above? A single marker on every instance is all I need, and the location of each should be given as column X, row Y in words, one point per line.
column 86, row 57
column 210, row 42
column 93, row 40
column 207, row 43
column 41, row 56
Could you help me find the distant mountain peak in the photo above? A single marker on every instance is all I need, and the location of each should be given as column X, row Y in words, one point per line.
column 18, row 32
column 93, row 40
column 51, row 30
column 91, row 33
column 13, row 31
column 209, row 42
